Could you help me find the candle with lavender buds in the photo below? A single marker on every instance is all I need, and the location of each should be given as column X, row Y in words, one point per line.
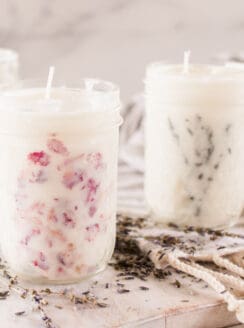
column 194, row 144
column 9, row 65
column 59, row 173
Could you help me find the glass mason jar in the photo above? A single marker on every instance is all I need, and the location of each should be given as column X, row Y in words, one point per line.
column 9, row 66
column 59, row 179
column 194, row 144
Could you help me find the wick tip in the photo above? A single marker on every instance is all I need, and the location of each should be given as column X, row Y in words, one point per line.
column 49, row 81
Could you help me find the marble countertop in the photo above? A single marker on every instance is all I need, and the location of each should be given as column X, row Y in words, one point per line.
column 163, row 304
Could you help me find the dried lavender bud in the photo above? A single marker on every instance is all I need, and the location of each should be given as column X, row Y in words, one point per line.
column 161, row 256
column 173, row 225
column 128, row 258
column 129, row 278
column 7, row 275
column 120, row 285
column 177, row 284
column 79, row 300
column 4, row 295
column 37, row 298
column 227, row 128
column 102, row 305
column 190, row 131
column 48, row 321
column 24, row 294
column 18, row 314
column 58, row 307
column 46, row 291
column 221, row 247
column 123, row 291
column 216, row 166
column 86, row 292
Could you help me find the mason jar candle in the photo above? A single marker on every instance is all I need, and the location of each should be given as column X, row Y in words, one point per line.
column 194, row 144
column 9, row 65
column 58, row 181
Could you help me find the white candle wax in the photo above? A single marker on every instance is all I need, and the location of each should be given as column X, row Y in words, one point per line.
column 58, row 182
column 194, row 142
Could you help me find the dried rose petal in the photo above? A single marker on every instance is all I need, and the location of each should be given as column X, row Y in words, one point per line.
column 70, row 161
column 92, row 189
column 38, row 207
column 68, row 220
column 49, row 242
column 34, row 232
column 92, row 230
column 38, row 177
column 93, row 227
column 66, row 258
column 95, row 159
column 92, row 211
column 52, row 216
column 41, row 262
column 57, row 146
column 39, row 158
column 57, row 234
column 42, row 256
column 72, row 178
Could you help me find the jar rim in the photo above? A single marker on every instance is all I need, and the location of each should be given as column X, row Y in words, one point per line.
column 198, row 73
column 86, row 95
column 87, row 84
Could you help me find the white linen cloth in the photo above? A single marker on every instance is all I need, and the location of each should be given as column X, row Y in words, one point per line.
column 131, row 159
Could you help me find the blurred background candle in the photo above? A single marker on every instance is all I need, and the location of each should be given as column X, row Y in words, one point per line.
column 59, row 178
column 194, row 144
column 9, row 65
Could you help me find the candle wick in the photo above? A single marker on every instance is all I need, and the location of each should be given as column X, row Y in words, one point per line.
column 49, row 81
column 186, row 61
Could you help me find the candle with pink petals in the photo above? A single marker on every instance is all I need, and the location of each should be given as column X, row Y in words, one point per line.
column 59, row 177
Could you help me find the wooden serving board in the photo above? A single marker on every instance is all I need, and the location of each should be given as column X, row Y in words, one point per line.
column 193, row 305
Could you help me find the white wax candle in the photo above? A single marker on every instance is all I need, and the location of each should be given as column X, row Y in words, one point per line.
column 59, row 201
column 194, row 142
